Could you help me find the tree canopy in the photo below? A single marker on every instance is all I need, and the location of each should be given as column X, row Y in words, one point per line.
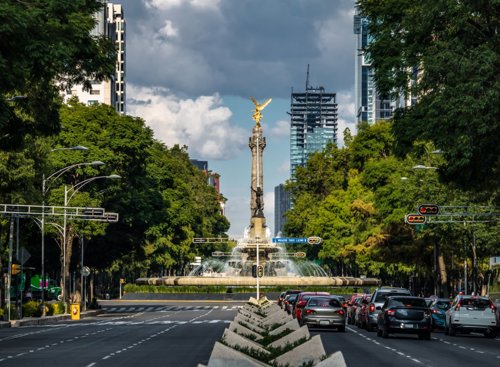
column 446, row 54
column 45, row 46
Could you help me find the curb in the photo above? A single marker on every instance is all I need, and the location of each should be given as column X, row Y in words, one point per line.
column 30, row 321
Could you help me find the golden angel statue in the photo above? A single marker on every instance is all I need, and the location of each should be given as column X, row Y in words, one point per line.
column 257, row 116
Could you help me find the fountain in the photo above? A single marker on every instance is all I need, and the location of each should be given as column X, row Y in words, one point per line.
column 257, row 246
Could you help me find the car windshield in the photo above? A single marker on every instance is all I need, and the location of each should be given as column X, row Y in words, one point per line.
column 292, row 298
column 324, row 302
column 407, row 302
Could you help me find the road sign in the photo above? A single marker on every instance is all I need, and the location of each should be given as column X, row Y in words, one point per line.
column 85, row 271
column 428, row 209
column 23, row 255
column 415, row 219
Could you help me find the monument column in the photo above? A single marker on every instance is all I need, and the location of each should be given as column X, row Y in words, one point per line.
column 257, row 143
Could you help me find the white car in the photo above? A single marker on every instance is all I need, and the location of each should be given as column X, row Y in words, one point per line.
column 471, row 313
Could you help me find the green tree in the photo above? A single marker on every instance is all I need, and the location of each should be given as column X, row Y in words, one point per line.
column 446, row 54
column 45, row 46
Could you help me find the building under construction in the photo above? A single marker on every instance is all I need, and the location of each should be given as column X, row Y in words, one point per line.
column 313, row 123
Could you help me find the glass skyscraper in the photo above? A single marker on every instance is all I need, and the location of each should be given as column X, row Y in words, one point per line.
column 313, row 123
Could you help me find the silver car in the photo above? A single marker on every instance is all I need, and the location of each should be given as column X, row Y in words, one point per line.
column 324, row 311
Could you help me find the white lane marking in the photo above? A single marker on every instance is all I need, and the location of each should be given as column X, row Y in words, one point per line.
column 385, row 346
column 90, row 365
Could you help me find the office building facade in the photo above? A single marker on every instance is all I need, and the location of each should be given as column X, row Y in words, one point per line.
column 313, row 123
column 110, row 23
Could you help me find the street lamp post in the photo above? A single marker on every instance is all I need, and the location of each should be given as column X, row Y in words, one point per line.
column 45, row 181
column 74, row 189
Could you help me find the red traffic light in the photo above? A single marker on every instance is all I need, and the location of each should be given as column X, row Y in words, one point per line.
column 415, row 218
column 428, row 209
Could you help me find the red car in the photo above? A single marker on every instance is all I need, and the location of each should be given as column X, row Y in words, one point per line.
column 302, row 301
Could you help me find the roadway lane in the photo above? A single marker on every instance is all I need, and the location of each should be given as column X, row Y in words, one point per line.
column 360, row 347
column 183, row 336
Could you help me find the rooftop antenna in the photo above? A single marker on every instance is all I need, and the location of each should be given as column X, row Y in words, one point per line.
column 307, row 78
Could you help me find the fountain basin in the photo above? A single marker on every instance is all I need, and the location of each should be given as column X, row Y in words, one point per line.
column 292, row 281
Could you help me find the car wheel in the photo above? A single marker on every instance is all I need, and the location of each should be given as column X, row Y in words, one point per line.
column 490, row 333
column 342, row 329
column 385, row 333
column 379, row 332
column 369, row 327
column 451, row 330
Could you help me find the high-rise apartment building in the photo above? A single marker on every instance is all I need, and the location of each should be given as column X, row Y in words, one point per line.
column 313, row 115
column 282, row 203
column 110, row 23
column 370, row 106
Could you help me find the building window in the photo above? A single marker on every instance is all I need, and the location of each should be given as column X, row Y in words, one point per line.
column 95, row 92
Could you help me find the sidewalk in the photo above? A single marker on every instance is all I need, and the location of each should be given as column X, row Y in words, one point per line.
column 29, row 321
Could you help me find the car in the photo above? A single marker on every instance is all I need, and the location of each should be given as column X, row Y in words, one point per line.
column 281, row 298
column 302, row 301
column 360, row 315
column 378, row 298
column 324, row 311
column 289, row 303
column 404, row 314
column 289, row 291
column 471, row 313
column 438, row 309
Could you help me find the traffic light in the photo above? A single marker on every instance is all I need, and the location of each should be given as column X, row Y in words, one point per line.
column 254, row 271
column 16, row 269
column 428, row 209
column 415, row 218
column 260, row 271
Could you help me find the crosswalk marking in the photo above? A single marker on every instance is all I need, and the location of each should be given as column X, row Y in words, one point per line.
column 132, row 309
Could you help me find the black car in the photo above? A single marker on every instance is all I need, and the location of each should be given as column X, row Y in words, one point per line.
column 404, row 314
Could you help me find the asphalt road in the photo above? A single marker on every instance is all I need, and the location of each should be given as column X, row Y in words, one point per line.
column 169, row 333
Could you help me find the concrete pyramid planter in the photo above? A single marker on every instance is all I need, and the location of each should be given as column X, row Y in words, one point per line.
column 262, row 335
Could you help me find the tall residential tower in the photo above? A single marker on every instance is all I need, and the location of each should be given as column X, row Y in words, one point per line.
column 110, row 23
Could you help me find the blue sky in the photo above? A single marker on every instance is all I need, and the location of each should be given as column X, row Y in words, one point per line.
column 193, row 64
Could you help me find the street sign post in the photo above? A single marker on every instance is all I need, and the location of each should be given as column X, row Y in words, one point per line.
column 313, row 240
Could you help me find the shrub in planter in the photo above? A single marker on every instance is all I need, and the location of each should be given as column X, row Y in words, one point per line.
column 58, row 308
column 32, row 309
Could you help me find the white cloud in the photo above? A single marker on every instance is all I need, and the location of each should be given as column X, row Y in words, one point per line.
column 169, row 30
column 347, row 115
column 169, row 4
column 280, row 129
column 202, row 123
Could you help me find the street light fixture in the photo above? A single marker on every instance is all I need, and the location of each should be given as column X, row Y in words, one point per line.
column 75, row 188
column 45, row 180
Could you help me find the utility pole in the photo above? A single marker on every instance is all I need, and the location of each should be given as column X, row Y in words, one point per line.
column 9, row 274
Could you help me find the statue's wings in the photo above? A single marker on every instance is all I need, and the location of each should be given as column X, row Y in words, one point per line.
column 254, row 101
column 263, row 105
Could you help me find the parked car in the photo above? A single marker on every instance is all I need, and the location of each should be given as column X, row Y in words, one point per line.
column 360, row 315
column 471, row 313
column 404, row 314
column 324, row 311
column 378, row 299
column 302, row 301
column 289, row 303
column 438, row 312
